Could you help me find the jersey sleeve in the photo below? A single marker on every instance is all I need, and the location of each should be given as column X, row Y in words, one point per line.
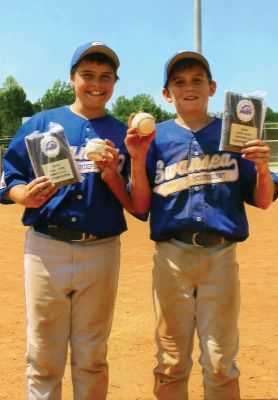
column 17, row 168
column 275, row 181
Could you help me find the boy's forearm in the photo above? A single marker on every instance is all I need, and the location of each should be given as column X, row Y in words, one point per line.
column 264, row 190
column 117, row 185
column 139, row 200
column 140, row 188
column 16, row 194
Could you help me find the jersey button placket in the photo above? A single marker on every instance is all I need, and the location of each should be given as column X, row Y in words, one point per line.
column 195, row 191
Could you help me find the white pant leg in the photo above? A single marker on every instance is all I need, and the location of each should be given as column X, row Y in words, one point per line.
column 70, row 294
column 92, row 312
column 218, row 301
column 47, row 282
column 174, row 279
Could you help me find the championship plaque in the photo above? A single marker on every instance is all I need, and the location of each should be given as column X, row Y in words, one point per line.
column 243, row 119
column 50, row 156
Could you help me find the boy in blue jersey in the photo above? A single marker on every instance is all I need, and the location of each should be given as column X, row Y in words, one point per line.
column 197, row 195
column 72, row 249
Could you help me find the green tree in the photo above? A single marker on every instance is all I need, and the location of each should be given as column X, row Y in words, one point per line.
column 13, row 106
column 61, row 94
column 122, row 108
column 271, row 116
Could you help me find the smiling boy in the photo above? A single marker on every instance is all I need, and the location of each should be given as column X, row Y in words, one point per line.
column 196, row 195
column 93, row 80
column 72, row 247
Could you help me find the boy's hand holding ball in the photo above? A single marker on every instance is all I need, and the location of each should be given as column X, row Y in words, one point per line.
column 144, row 123
column 95, row 148
column 140, row 135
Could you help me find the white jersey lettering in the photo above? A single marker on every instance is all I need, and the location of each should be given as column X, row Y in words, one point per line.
column 86, row 166
column 200, row 171
column 159, row 172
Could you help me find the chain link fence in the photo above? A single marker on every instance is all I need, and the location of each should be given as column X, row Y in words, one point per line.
column 4, row 143
column 270, row 136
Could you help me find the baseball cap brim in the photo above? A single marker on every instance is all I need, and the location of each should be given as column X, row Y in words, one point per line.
column 180, row 55
column 93, row 47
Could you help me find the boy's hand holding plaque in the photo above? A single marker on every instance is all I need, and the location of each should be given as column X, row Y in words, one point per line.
column 243, row 120
column 51, row 156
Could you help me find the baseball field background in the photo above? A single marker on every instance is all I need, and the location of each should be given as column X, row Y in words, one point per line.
column 131, row 345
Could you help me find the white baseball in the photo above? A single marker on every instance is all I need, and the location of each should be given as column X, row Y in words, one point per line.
column 144, row 122
column 95, row 148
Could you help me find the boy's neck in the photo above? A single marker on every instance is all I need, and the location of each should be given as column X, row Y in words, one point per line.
column 87, row 113
column 193, row 123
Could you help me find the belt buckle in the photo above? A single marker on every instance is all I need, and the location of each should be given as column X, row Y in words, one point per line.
column 85, row 237
column 194, row 237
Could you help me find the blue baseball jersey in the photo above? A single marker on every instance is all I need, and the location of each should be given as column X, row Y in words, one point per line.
column 197, row 187
column 88, row 206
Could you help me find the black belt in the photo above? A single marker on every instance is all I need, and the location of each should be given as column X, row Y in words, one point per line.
column 64, row 234
column 200, row 239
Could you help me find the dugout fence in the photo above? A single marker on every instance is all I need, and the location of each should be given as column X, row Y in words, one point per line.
column 4, row 143
column 270, row 135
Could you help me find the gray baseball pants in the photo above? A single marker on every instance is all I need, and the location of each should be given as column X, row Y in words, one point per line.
column 196, row 289
column 70, row 294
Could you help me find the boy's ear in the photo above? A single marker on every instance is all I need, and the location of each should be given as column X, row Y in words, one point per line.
column 212, row 88
column 72, row 80
column 166, row 95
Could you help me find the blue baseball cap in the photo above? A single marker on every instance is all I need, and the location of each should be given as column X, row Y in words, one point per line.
column 93, row 47
column 180, row 55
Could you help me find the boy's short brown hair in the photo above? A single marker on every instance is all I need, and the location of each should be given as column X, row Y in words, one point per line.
column 184, row 60
column 100, row 52
column 99, row 58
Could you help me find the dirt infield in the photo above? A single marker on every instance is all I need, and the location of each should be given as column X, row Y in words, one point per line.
column 131, row 345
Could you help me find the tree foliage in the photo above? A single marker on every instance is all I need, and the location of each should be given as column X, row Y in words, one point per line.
column 13, row 106
column 123, row 107
column 61, row 94
column 271, row 116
